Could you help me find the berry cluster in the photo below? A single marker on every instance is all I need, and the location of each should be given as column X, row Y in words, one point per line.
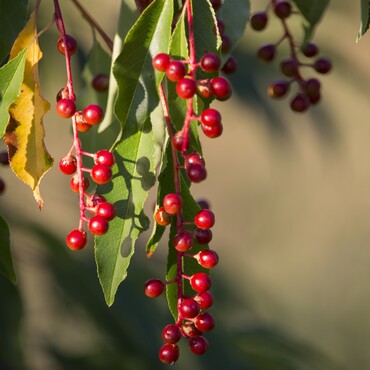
column 4, row 160
column 291, row 67
column 72, row 163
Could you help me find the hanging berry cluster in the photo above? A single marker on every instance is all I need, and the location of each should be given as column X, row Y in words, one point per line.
column 291, row 67
column 72, row 163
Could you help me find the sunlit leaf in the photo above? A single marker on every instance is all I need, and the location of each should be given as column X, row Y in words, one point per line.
column 365, row 19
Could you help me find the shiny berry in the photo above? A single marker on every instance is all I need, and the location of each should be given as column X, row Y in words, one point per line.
column 68, row 165
column 100, row 82
column 175, row 71
column 202, row 236
column 171, row 334
column 189, row 308
column 204, row 219
column 74, row 183
column 101, row 174
column 205, row 299
column 186, row 88
column 106, row 210
column 169, row 353
column 204, row 321
column 161, row 61
column 259, row 21
column 221, row 88
column 105, row 157
column 172, row 203
column 282, row 9
column 153, row 288
column 213, row 131
column 322, row 65
column 178, row 141
column 300, row 103
column 207, row 258
column 210, row 117
column 200, row 282
column 162, row 218
column 182, row 241
column 76, row 239
column 210, row 62
column 66, row 108
column 230, row 66
column 196, row 172
column 194, row 158
column 310, row 50
column 98, row 225
column 93, row 114
column 198, row 345
column 267, row 52
column 278, row 89
column 71, row 45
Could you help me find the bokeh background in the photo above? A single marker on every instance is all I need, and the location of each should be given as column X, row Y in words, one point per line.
column 291, row 193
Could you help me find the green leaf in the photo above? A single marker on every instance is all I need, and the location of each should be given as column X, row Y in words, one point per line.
column 11, row 78
column 312, row 12
column 136, row 79
column 13, row 17
column 6, row 263
column 365, row 18
column 133, row 176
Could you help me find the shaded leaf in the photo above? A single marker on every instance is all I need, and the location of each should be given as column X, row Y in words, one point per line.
column 29, row 158
column 365, row 18
column 6, row 262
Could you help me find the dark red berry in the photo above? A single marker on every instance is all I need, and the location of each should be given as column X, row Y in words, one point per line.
column 300, row 103
column 4, row 158
column 76, row 239
column 259, row 21
column 161, row 61
column 213, row 131
column 282, row 9
column 68, row 165
column 93, row 114
column 66, row 108
column 172, row 203
column 221, row 88
column 210, row 62
column 190, row 330
column 202, row 236
column 162, row 217
column 204, row 321
column 196, row 172
column 100, row 82
column 200, row 282
column 189, row 308
column 101, row 174
column 106, row 210
column 312, row 87
column 267, row 52
column 94, row 199
column 207, row 258
column 186, row 88
column 98, row 225
column 169, row 353
column 310, row 50
column 153, row 288
column 204, row 219
column 205, row 299
column 194, row 158
column 226, row 44
column 171, row 334
column 204, row 88
column 278, row 89
column 178, row 141
column 210, row 117
column 105, row 157
column 182, row 241
column 203, row 203
column 198, row 345
column 289, row 67
column 71, row 45
column 216, row 4
column 74, row 183
column 322, row 65
column 230, row 66
column 175, row 71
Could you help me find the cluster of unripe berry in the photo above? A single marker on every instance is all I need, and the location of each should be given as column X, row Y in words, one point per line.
column 291, row 67
column 101, row 171
column 193, row 319
column 4, row 160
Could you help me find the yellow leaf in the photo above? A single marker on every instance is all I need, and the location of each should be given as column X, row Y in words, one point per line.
column 25, row 133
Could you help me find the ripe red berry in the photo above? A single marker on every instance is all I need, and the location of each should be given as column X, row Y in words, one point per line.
column 190, row 330
column 267, row 52
column 98, row 225
column 182, row 241
column 100, row 82
column 189, row 308
column 278, row 89
column 171, row 334
column 105, row 157
column 153, row 288
column 66, row 108
column 169, row 353
column 204, row 321
column 101, row 174
column 178, row 141
column 221, row 88
column 210, row 62
column 210, row 117
column 259, row 21
column 81, row 124
column 162, row 217
column 300, row 103
column 186, row 88
column 200, row 282
column 196, row 172
column 207, row 258
column 204, row 219
column 202, row 236
column 93, row 114
column 172, row 203
column 213, row 131
column 71, row 45
column 226, row 44
column 289, row 67
column 106, row 210
column 322, row 65
column 194, row 158
column 198, row 345
column 161, row 61
column 94, row 199
column 175, row 71
column 205, row 299
column 68, row 164
column 76, row 239
column 310, row 50
column 74, row 183
column 282, row 9
column 230, row 66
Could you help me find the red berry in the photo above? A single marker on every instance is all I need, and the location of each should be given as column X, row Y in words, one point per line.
column 171, row 334
column 230, row 66
column 189, row 308
column 182, row 241
column 178, row 141
column 105, row 157
column 216, row 4
column 205, row 299
column 74, row 183
column 207, row 258
column 210, row 117
column 169, row 353
column 221, row 88
column 289, row 66
column 204, row 321
column 93, row 114
column 196, row 172
column 310, row 50
column 186, row 88
column 98, row 225
column 161, row 61
column 68, row 165
column 190, row 330
column 282, row 9
column 322, row 65
column 200, row 282
column 204, row 219
column 300, row 103
column 204, row 88
column 162, row 217
column 267, row 52
column 94, row 199
column 172, row 203
column 71, row 45
column 101, row 174
column 194, row 158
column 210, row 63
column 76, row 239
column 198, row 345
column 312, row 89
column 81, row 124
column 100, row 82
column 175, row 71
column 66, row 108
column 226, row 44
column 278, row 89
column 153, row 288
column 202, row 236
column 106, row 210
column 213, row 131
column 259, row 21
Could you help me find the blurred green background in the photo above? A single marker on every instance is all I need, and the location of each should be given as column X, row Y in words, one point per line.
column 291, row 193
